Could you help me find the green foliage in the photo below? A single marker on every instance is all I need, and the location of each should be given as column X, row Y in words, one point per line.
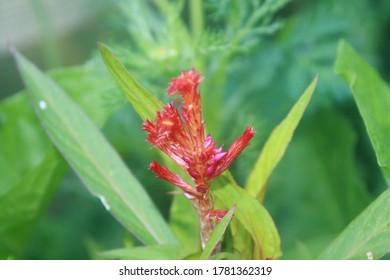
column 313, row 201
column 252, row 216
column 24, row 202
column 372, row 96
column 367, row 237
column 25, row 150
column 142, row 101
column 276, row 145
column 255, row 57
column 217, row 235
column 184, row 223
column 95, row 161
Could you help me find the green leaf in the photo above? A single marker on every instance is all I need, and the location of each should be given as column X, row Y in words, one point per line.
column 22, row 204
column 217, row 235
column 143, row 101
column 367, row 236
column 252, row 215
column 93, row 90
column 93, row 159
column 276, row 146
column 154, row 252
column 184, row 223
column 21, row 134
column 242, row 241
column 372, row 96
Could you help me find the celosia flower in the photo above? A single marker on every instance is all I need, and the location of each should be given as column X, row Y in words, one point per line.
column 179, row 132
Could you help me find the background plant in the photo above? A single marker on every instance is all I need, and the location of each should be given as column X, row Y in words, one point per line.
column 331, row 129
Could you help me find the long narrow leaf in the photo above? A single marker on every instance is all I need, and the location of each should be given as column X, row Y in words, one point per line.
column 92, row 157
column 367, row 237
column 145, row 104
column 217, row 234
column 276, row 145
column 372, row 96
column 252, row 216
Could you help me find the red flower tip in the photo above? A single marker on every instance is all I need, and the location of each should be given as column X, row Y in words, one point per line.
column 234, row 151
column 164, row 173
column 186, row 82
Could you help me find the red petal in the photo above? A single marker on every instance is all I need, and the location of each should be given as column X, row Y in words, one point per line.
column 164, row 173
column 234, row 151
column 186, row 82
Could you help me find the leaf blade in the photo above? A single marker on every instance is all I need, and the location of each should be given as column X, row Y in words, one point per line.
column 276, row 145
column 93, row 159
column 372, row 96
column 217, row 234
column 368, row 235
column 145, row 104
column 252, row 215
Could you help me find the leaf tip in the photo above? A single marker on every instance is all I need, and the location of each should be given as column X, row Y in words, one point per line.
column 10, row 46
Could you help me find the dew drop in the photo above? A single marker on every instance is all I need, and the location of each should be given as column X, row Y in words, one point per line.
column 370, row 256
column 42, row 105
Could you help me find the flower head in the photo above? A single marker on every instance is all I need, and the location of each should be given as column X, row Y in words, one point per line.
column 179, row 132
column 181, row 135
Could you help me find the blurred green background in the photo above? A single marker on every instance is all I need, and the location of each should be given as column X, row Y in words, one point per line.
column 329, row 173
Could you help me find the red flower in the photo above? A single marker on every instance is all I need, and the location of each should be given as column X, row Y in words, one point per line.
column 180, row 134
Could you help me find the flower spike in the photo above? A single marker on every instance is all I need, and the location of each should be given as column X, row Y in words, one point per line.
column 180, row 134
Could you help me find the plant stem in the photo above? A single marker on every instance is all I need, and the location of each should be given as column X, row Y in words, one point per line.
column 204, row 207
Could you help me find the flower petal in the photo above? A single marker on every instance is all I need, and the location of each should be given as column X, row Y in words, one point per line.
column 235, row 149
column 164, row 173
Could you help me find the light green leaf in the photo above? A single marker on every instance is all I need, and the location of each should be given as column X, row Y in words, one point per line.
column 22, row 204
column 242, row 241
column 145, row 104
column 21, row 134
column 276, row 146
column 217, row 235
column 93, row 159
column 93, row 90
column 184, row 223
column 367, row 236
column 154, row 252
column 372, row 96
column 252, row 215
